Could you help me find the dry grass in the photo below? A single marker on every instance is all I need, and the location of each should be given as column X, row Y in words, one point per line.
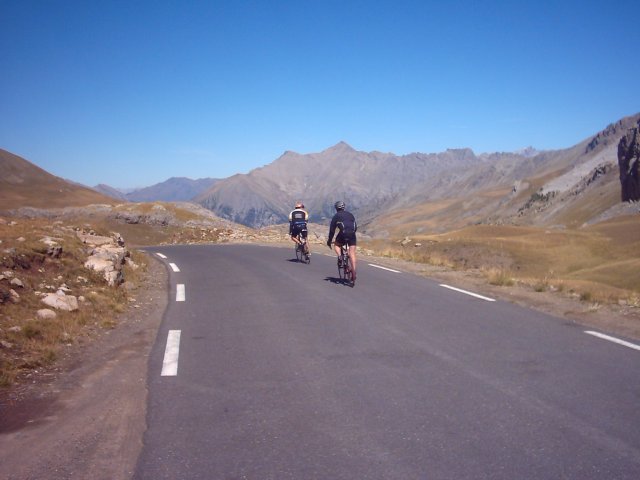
column 599, row 264
column 147, row 208
column 499, row 276
column 27, row 342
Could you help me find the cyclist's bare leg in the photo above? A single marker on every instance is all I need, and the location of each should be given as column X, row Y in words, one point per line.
column 295, row 240
column 352, row 256
column 338, row 249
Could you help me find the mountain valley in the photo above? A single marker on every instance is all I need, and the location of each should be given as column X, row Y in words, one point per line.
column 547, row 227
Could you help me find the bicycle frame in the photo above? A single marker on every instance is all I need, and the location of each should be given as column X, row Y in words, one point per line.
column 344, row 255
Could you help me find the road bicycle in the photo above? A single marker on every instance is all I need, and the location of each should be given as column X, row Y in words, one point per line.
column 344, row 266
column 302, row 249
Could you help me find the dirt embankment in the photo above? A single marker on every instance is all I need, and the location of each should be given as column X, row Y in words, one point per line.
column 85, row 419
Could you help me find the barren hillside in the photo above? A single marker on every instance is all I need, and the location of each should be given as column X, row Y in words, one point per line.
column 564, row 188
column 22, row 184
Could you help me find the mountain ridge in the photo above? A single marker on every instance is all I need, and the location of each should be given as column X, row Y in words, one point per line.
column 174, row 189
column 375, row 182
column 23, row 183
column 444, row 190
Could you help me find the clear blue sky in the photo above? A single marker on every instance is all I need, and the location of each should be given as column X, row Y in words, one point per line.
column 130, row 93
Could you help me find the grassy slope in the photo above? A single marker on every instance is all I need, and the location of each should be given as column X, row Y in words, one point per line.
column 545, row 244
column 23, row 184
column 602, row 259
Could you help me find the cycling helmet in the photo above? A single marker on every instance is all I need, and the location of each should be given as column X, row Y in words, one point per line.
column 299, row 205
column 339, row 205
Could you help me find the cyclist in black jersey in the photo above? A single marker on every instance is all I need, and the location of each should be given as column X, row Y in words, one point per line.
column 345, row 222
column 298, row 224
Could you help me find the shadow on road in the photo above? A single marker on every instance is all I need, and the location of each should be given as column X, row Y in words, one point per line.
column 338, row 281
column 295, row 260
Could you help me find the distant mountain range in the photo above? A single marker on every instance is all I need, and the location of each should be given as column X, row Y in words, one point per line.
column 384, row 189
column 392, row 195
column 176, row 189
column 363, row 180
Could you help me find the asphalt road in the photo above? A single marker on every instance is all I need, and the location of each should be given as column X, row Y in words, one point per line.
column 282, row 372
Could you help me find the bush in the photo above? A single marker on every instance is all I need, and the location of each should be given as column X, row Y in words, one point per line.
column 500, row 277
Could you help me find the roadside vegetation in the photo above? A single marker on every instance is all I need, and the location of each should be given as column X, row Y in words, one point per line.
column 597, row 264
column 159, row 223
column 39, row 257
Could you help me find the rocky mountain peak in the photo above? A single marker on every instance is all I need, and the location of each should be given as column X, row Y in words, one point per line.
column 528, row 152
column 340, row 148
column 629, row 163
column 612, row 132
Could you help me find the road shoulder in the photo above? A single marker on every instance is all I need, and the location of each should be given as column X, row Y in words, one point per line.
column 618, row 319
column 87, row 419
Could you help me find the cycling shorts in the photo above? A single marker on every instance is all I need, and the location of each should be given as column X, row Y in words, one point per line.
column 299, row 229
column 346, row 238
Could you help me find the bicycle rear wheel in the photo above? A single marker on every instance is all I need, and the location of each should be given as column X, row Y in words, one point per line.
column 306, row 258
column 341, row 268
column 348, row 274
column 299, row 253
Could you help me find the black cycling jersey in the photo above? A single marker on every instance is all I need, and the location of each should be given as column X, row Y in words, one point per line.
column 346, row 223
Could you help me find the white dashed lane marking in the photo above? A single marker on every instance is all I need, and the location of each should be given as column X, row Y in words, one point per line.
column 174, row 267
column 171, row 354
column 180, row 293
column 613, row 339
column 468, row 293
column 161, row 255
column 384, row 268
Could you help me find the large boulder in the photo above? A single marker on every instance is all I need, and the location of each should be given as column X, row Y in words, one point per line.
column 60, row 301
column 629, row 163
column 108, row 260
column 107, row 257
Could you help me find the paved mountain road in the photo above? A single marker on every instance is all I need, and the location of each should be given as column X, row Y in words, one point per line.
column 282, row 372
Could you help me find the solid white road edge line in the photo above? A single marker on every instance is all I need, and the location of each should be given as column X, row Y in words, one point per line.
column 613, row 339
column 385, row 268
column 174, row 267
column 161, row 255
column 171, row 354
column 467, row 293
column 180, row 293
